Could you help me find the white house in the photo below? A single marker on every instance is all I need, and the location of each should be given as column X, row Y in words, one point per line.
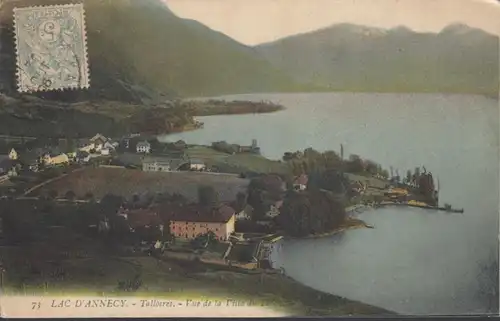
column 156, row 166
column 245, row 214
column 197, row 165
column 13, row 154
column 300, row 183
column 99, row 141
column 143, row 147
column 86, row 146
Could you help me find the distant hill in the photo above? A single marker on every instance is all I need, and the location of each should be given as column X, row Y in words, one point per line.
column 459, row 59
column 140, row 49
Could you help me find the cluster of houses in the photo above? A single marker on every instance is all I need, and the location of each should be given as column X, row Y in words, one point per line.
column 99, row 144
column 36, row 158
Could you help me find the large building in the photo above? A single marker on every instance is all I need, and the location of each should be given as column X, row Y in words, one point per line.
column 143, row 147
column 190, row 221
column 161, row 163
column 156, row 166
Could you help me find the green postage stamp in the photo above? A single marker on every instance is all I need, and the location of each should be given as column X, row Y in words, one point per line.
column 51, row 48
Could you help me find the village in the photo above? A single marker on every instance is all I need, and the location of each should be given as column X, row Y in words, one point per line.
column 190, row 228
column 138, row 197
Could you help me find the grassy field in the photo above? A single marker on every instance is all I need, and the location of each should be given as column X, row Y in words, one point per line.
column 126, row 182
column 238, row 163
column 206, row 154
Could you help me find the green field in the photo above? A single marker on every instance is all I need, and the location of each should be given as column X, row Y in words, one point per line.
column 127, row 182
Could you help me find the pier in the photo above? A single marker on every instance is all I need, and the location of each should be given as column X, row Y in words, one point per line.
column 447, row 209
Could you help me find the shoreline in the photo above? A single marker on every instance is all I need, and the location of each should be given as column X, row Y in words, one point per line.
column 356, row 224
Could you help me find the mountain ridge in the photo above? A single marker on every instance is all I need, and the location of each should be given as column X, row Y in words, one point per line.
column 348, row 57
column 141, row 51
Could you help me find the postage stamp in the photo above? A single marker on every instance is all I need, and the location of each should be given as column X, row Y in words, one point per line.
column 51, row 48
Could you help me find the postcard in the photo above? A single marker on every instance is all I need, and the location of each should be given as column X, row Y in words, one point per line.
column 233, row 158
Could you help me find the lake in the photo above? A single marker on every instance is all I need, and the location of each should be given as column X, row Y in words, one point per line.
column 414, row 261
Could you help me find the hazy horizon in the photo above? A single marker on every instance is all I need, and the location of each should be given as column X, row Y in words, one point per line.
column 262, row 21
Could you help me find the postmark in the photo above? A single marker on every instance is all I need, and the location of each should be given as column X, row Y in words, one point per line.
column 51, row 48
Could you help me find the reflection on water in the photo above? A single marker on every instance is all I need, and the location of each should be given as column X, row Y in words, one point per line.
column 414, row 261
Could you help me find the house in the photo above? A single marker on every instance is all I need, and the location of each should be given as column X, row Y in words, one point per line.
column 55, row 159
column 189, row 221
column 82, row 157
column 31, row 159
column 196, row 165
column 7, row 166
column 156, row 165
column 141, row 218
column 143, row 147
column 13, row 154
column 111, row 145
column 358, row 188
column 85, row 146
column 245, row 213
column 254, row 148
column 105, row 151
column 244, row 252
column 180, row 145
column 98, row 141
column 300, row 182
column 274, row 210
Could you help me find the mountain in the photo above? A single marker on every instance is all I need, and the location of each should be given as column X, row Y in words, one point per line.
column 140, row 50
column 459, row 59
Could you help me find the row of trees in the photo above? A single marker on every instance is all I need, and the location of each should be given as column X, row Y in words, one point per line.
column 311, row 160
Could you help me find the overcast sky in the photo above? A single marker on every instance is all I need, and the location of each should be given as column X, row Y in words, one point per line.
column 257, row 21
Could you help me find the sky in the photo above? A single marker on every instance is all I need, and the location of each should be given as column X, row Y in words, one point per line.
column 257, row 21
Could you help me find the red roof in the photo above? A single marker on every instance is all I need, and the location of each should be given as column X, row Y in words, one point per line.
column 142, row 217
column 197, row 213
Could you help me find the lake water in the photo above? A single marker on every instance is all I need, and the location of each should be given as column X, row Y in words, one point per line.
column 414, row 261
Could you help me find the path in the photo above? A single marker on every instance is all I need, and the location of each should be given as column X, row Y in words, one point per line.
column 30, row 190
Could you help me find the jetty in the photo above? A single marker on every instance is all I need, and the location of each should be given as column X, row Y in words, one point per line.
column 447, row 209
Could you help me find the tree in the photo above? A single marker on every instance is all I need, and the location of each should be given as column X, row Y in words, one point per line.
column 110, row 203
column 70, row 195
column 207, row 195
column 264, row 191
column 311, row 153
column 371, row 167
column 88, row 196
column 311, row 212
column 331, row 159
column 52, row 194
column 241, row 201
column 409, row 177
column 355, row 164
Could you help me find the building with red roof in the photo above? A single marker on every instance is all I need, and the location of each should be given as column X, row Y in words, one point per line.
column 190, row 220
